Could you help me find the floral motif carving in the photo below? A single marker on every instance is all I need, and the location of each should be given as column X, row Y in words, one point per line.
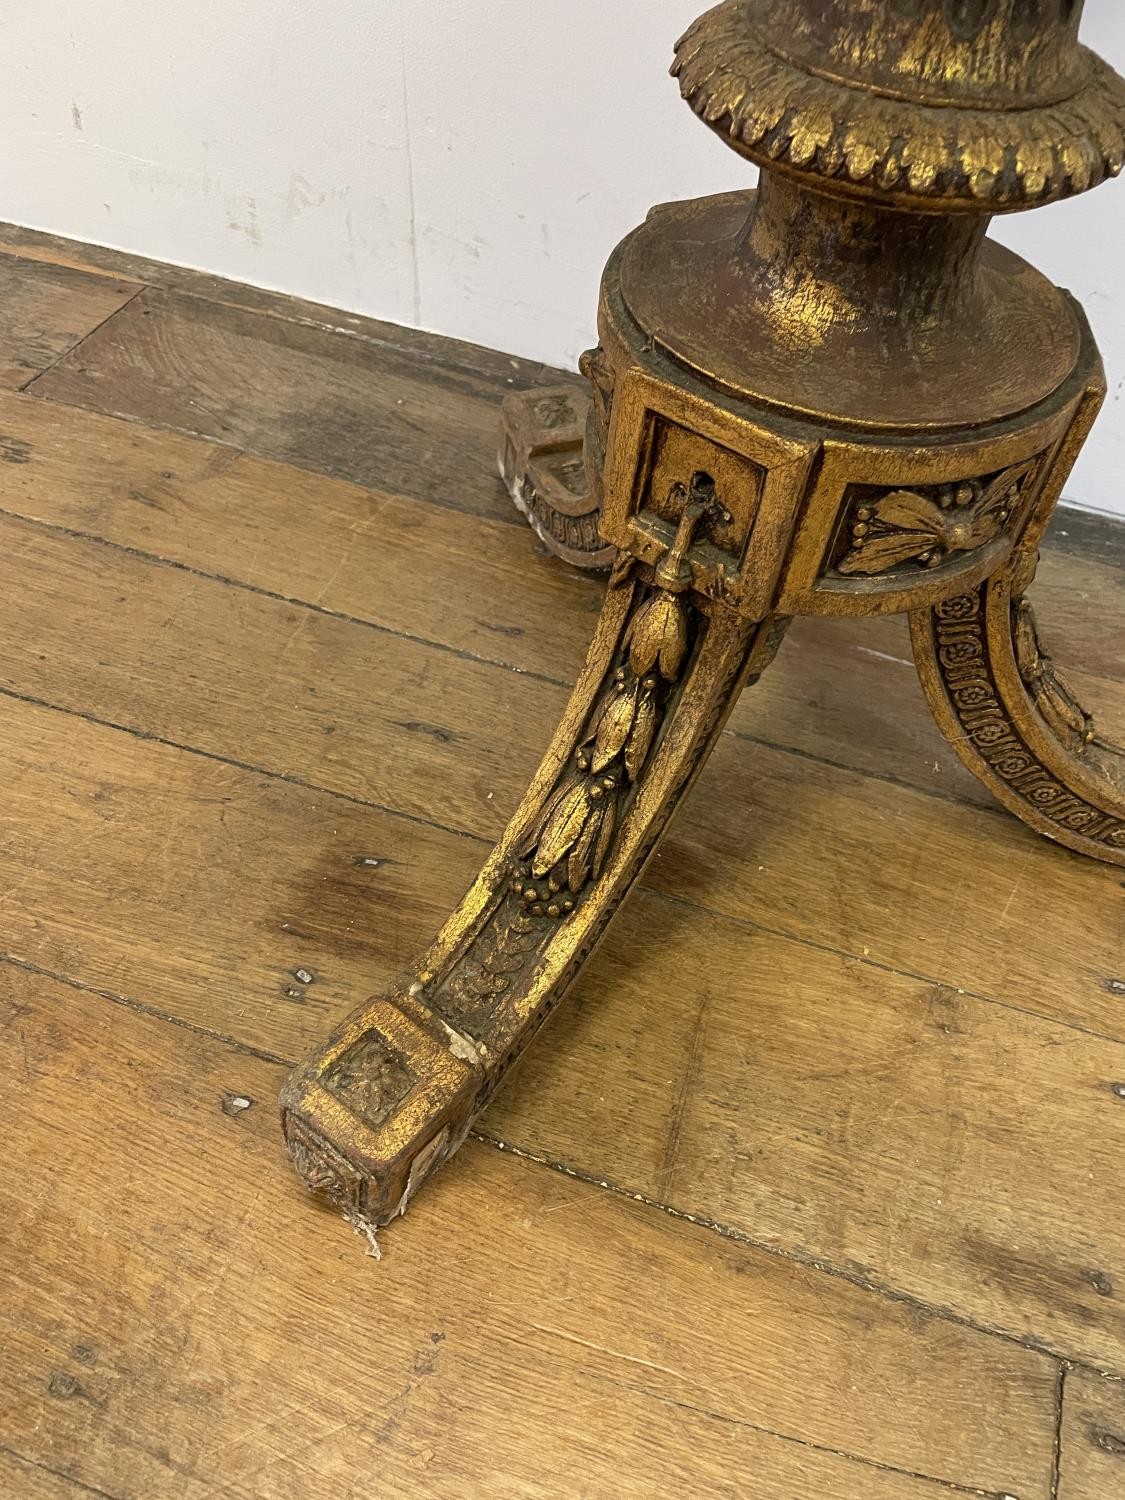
column 370, row 1080
column 924, row 527
column 555, row 410
column 324, row 1169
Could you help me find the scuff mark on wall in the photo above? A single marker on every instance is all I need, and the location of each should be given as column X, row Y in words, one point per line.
column 248, row 224
column 302, row 195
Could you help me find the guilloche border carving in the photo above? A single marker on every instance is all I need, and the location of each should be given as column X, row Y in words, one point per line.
column 962, row 654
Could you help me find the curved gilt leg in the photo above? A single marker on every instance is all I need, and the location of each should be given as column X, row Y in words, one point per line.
column 394, row 1091
column 1011, row 718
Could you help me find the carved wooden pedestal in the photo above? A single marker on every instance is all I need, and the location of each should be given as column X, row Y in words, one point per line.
column 832, row 396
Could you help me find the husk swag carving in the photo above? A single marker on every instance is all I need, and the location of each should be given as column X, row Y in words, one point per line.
column 572, row 836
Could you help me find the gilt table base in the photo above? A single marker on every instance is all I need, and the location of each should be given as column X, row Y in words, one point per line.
column 725, row 523
column 833, row 396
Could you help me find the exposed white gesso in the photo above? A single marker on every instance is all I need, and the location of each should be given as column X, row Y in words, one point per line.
column 461, row 165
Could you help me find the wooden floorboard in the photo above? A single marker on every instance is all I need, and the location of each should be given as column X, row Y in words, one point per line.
column 179, row 1316
column 819, row 1103
column 1080, row 532
column 1088, row 534
column 1092, row 1438
column 48, row 310
column 353, row 925
column 32, row 1481
column 300, row 393
column 294, row 700
column 841, row 690
column 31, row 245
column 279, row 660
column 875, row 1124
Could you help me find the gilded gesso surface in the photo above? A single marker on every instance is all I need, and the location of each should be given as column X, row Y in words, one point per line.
column 832, row 396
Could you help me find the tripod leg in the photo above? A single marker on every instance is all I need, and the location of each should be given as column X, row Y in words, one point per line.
column 543, row 436
column 395, row 1090
column 1012, row 719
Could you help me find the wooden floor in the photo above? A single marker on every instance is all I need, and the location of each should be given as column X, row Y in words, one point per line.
column 814, row 1190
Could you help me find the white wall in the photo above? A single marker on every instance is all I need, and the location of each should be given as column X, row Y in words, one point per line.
column 462, row 165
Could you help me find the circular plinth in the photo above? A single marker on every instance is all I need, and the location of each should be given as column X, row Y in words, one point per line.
column 687, row 281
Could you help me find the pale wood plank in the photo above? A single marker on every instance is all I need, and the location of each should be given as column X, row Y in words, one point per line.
column 202, row 888
column 922, row 885
column 47, row 311
column 514, row 1341
column 419, row 569
column 20, row 242
column 1092, row 1440
column 690, row 1066
column 166, row 652
column 350, row 408
column 821, row 853
column 26, row 1481
column 955, row 1150
column 841, row 690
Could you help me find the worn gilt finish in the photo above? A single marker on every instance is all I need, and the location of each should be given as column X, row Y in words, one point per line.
column 542, row 437
column 834, row 395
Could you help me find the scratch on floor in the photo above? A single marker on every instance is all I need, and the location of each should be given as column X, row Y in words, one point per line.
column 1015, row 887
column 669, row 1162
column 899, row 661
column 630, row 1359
